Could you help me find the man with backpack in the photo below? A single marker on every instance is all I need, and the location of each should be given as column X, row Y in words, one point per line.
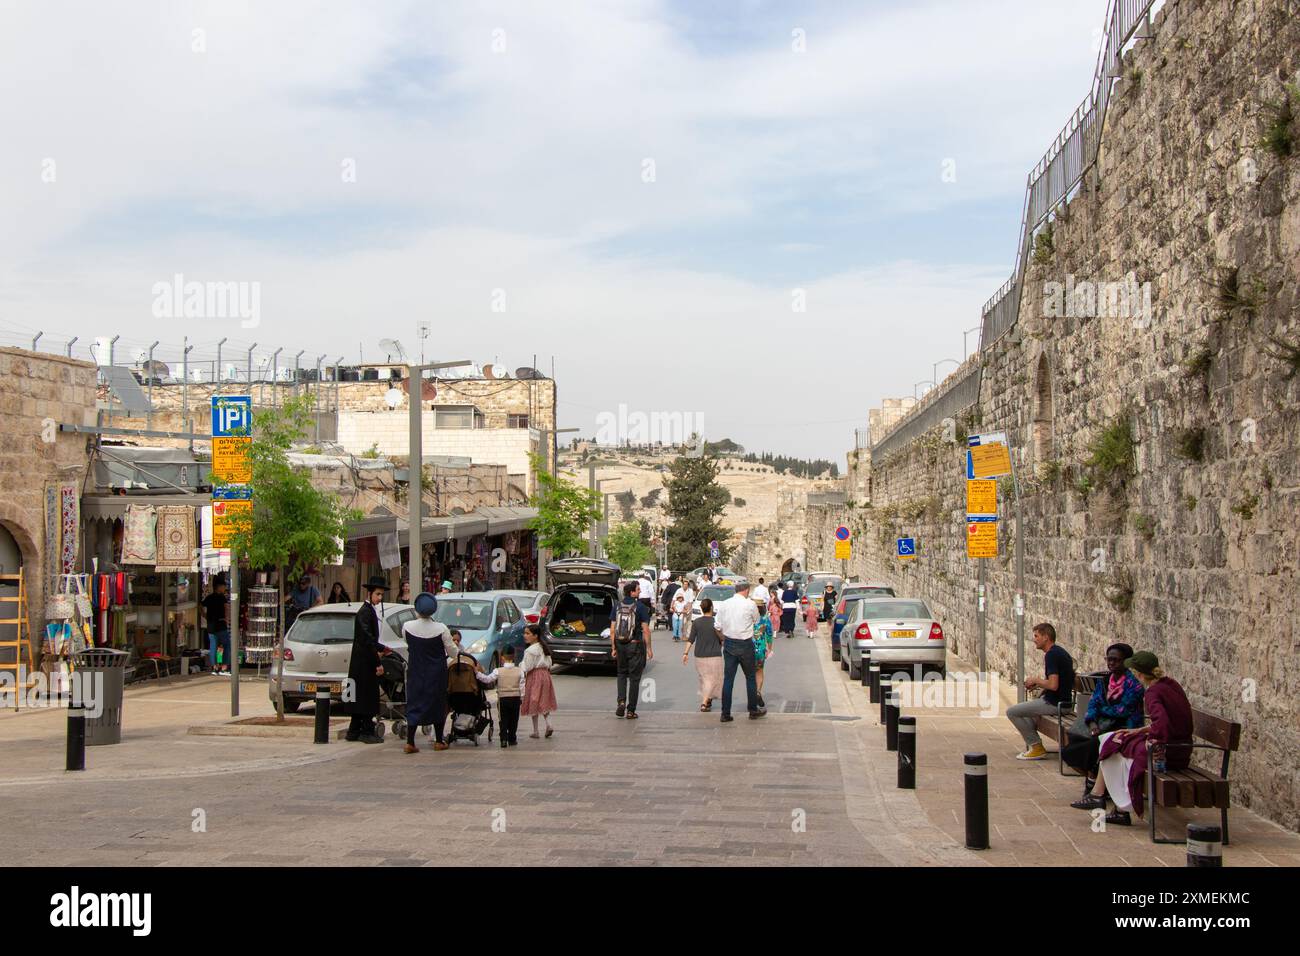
column 629, row 636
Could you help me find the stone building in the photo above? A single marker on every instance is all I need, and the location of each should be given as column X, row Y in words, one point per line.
column 1154, row 418
column 39, row 392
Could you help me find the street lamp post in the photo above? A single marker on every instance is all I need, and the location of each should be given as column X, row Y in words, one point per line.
column 415, row 469
column 964, row 338
column 550, row 456
column 922, row 382
column 934, row 369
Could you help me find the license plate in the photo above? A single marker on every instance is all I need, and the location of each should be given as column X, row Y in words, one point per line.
column 903, row 634
column 310, row 688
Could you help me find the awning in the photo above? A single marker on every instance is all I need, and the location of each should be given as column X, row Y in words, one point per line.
column 98, row 507
column 488, row 521
column 511, row 518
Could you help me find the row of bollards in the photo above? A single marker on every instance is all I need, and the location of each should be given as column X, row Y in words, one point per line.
column 1204, row 841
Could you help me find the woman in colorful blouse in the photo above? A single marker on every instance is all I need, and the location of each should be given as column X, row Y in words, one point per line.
column 1116, row 704
column 762, row 645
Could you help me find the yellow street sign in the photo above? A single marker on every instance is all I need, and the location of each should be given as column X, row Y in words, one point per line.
column 843, row 550
column 981, row 539
column 990, row 461
column 230, row 461
column 229, row 517
column 981, row 496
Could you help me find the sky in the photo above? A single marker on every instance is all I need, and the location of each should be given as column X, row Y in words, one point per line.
column 766, row 216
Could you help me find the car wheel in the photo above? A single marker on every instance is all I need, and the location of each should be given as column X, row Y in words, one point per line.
column 844, row 662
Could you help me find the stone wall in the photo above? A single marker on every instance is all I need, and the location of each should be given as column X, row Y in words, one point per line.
column 36, row 387
column 1187, row 543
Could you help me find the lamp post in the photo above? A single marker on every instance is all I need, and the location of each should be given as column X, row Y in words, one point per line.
column 922, row 382
column 602, row 529
column 934, row 369
column 550, row 456
column 415, row 469
column 965, row 336
column 217, row 377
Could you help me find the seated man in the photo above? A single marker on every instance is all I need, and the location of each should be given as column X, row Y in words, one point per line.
column 1057, row 685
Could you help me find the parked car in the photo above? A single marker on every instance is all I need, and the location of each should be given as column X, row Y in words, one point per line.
column 717, row 593
column 894, row 633
column 531, row 604
column 582, row 603
column 318, row 648
column 815, row 588
column 849, row 595
column 488, row 621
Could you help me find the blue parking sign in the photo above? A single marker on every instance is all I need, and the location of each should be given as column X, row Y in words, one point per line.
column 232, row 415
column 907, row 547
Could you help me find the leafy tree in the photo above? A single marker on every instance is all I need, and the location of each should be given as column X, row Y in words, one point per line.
column 695, row 505
column 565, row 512
column 295, row 525
column 625, row 546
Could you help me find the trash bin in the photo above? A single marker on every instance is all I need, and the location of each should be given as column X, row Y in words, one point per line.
column 111, row 664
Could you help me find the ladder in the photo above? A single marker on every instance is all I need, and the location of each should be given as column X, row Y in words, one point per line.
column 13, row 613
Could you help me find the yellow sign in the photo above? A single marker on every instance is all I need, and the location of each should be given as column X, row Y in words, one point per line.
column 990, row 461
column 981, row 497
column 228, row 519
column 230, row 461
column 981, row 539
column 843, row 550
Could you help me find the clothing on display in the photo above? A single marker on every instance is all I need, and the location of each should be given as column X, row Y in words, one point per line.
column 139, row 545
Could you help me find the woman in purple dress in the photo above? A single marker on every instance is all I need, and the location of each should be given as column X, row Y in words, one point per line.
column 1124, row 753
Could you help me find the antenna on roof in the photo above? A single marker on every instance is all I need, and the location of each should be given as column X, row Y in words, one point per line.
column 392, row 345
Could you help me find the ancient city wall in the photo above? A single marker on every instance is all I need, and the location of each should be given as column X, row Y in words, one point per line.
column 1157, row 453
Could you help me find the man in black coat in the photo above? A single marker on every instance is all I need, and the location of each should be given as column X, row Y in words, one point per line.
column 365, row 667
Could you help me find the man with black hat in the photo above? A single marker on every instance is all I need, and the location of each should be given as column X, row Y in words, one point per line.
column 364, row 668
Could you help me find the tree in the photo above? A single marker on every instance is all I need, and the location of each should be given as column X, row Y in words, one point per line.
column 565, row 512
column 695, row 505
column 625, row 547
column 295, row 525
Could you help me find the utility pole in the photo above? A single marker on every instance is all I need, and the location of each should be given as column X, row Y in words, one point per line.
column 415, row 469
column 550, row 462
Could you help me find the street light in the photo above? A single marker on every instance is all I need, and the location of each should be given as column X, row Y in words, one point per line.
column 934, row 369
column 415, row 468
column 550, row 452
column 922, row 382
column 601, row 529
column 964, row 337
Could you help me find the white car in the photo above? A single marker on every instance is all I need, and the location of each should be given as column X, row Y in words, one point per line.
column 717, row 593
column 895, row 633
column 318, row 649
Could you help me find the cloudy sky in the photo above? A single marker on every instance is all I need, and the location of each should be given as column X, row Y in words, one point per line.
column 644, row 192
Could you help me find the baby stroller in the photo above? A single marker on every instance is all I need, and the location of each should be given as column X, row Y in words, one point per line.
column 470, row 712
column 392, row 695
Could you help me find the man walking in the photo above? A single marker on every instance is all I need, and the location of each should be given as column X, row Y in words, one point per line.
column 736, row 618
column 1057, row 686
column 629, row 637
column 365, row 667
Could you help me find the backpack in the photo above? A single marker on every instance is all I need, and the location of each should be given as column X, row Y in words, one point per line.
column 625, row 623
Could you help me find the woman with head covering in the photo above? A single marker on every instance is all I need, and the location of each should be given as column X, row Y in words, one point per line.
column 1124, row 752
column 428, row 646
column 789, row 608
column 1116, row 704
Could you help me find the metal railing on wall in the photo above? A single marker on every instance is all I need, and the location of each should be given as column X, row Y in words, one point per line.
column 956, row 397
column 1058, row 175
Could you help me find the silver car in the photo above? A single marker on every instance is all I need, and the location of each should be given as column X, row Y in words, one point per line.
column 532, row 604
column 895, row 633
column 318, row 648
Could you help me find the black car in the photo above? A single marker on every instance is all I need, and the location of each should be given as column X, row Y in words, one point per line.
column 583, row 597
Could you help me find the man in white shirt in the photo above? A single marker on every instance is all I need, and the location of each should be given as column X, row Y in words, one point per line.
column 646, row 593
column 761, row 592
column 736, row 618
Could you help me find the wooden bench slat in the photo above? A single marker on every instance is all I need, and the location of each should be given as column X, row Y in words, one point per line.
column 1216, row 730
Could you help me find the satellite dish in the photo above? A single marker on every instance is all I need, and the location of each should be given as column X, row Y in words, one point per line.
column 527, row 372
column 393, row 347
column 156, row 369
column 393, row 397
column 489, row 371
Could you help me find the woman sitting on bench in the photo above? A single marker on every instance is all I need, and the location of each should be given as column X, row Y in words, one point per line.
column 1124, row 753
column 1116, row 704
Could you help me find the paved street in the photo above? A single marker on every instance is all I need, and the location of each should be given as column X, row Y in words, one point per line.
column 675, row 787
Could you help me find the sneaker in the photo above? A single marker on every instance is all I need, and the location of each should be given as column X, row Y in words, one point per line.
column 622, row 709
column 727, row 718
column 1036, row 752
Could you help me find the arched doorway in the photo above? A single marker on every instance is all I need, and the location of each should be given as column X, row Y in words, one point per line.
column 1043, row 410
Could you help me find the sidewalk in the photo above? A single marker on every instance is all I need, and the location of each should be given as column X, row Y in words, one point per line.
column 1031, row 822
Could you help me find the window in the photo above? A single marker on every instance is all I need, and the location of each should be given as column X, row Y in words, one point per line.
column 453, row 416
column 516, row 421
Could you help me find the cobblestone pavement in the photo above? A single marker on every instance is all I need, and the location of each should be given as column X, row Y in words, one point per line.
column 675, row 787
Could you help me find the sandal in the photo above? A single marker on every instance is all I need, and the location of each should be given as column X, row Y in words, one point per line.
column 549, row 731
column 705, row 708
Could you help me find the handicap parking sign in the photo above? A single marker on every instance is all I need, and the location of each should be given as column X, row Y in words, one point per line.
column 907, row 547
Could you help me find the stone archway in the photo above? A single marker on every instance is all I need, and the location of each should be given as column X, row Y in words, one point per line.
column 1044, row 410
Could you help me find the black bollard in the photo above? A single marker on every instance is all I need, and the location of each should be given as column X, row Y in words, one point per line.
column 322, row 714
column 906, row 753
column 891, row 723
column 865, row 671
column 1204, row 845
column 874, row 676
column 76, row 736
column 884, row 697
column 977, row 801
